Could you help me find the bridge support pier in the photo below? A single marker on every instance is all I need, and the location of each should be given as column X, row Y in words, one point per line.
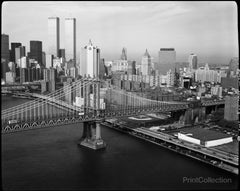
column 91, row 136
column 193, row 116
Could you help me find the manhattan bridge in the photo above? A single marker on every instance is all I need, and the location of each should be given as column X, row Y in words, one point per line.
column 55, row 109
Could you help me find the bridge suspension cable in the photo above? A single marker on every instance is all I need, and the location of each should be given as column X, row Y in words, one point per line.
column 130, row 94
column 37, row 99
column 117, row 100
column 34, row 104
column 30, row 102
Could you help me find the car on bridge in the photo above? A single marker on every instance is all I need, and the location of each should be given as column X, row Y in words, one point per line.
column 12, row 121
column 81, row 113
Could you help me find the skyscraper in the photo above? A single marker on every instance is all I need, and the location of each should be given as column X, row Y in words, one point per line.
column 61, row 53
column 124, row 54
column 12, row 52
column 90, row 60
column 19, row 53
column 146, row 64
column 231, row 108
column 102, row 69
column 49, row 61
column 36, row 51
column 203, row 74
column 4, row 55
column 70, row 39
column 167, row 60
column 192, row 60
column 43, row 59
column 52, row 81
column 53, row 36
column 234, row 65
column 23, row 75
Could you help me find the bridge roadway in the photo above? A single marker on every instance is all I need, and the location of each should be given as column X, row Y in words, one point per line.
column 23, row 84
column 212, row 102
column 90, row 114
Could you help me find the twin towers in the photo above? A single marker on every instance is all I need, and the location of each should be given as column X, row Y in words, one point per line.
column 69, row 38
column 90, row 55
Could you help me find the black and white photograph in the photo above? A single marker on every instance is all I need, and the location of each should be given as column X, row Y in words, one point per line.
column 119, row 95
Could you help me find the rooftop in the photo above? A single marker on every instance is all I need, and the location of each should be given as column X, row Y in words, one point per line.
column 204, row 134
column 147, row 54
column 167, row 49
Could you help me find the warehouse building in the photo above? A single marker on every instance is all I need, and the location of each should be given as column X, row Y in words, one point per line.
column 204, row 137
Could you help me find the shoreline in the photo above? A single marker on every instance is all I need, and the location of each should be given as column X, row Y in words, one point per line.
column 164, row 144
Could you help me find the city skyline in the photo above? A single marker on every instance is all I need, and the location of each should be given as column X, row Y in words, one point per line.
column 80, row 81
column 113, row 25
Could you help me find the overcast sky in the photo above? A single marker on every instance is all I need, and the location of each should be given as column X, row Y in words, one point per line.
column 208, row 29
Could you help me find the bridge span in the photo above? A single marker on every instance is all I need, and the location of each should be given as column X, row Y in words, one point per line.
column 39, row 112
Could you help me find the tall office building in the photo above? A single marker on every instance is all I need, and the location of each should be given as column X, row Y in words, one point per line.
column 90, row 60
column 12, row 52
column 124, row 54
column 4, row 55
column 61, row 53
column 234, row 66
column 131, row 67
column 52, row 82
column 53, row 36
column 73, row 72
column 146, row 64
column 46, row 74
column 43, row 59
column 23, row 62
column 204, row 74
column 19, row 53
column 70, row 39
column 5, row 47
column 119, row 66
column 36, row 51
column 231, row 108
column 192, row 60
column 102, row 68
column 23, row 75
column 167, row 60
column 49, row 61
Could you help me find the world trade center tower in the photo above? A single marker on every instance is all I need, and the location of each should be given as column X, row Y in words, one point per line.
column 53, row 36
column 70, row 40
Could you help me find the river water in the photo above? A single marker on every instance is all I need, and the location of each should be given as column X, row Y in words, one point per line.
column 50, row 159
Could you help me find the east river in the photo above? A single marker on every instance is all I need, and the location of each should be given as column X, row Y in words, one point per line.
column 50, row 159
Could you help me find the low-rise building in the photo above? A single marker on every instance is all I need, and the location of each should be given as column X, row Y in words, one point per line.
column 10, row 77
column 204, row 137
